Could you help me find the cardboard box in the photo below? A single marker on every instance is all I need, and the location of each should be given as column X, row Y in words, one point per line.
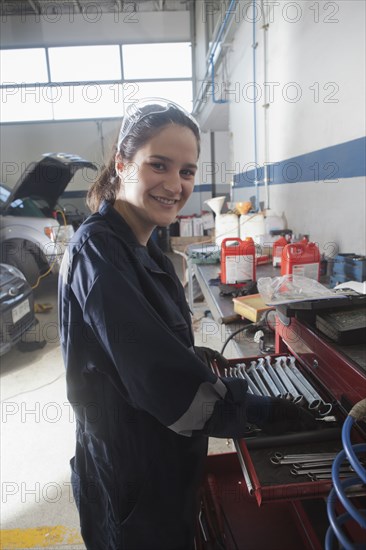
column 179, row 244
column 251, row 307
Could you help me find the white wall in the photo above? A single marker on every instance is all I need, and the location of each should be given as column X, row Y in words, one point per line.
column 210, row 172
column 315, row 61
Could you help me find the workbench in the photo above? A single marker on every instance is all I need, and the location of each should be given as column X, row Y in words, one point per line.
column 222, row 307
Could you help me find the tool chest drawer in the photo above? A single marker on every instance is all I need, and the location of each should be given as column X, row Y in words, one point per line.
column 232, row 520
column 307, row 475
column 269, row 482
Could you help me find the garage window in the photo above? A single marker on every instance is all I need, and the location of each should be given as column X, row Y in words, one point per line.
column 26, row 103
column 169, row 60
column 23, row 66
column 89, row 82
column 85, row 63
column 88, row 100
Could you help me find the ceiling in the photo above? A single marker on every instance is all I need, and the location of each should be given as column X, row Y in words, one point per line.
column 39, row 7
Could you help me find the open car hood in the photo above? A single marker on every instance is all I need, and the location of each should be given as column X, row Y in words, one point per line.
column 48, row 178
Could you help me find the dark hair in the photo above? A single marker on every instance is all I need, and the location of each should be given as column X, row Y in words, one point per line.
column 107, row 185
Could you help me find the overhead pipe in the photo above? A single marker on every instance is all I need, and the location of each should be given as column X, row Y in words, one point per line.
column 265, row 106
column 214, row 100
column 211, row 57
column 211, row 72
column 254, row 46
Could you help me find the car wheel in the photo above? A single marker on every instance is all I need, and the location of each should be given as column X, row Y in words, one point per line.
column 22, row 258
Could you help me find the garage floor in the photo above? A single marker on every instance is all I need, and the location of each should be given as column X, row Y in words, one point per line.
column 37, row 434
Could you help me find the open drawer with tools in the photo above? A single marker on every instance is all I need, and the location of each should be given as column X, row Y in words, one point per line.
column 230, row 519
column 292, row 466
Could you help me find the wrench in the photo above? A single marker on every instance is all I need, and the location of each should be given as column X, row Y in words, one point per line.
column 267, row 378
column 312, row 402
column 299, row 399
column 308, row 465
column 310, row 455
column 279, row 458
column 262, row 387
column 234, row 373
column 326, row 408
column 239, row 374
column 319, row 477
column 314, row 464
column 281, row 388
column 304, row 472
column 244, row 375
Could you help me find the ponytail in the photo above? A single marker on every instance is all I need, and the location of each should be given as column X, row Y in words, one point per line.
column 105, row 187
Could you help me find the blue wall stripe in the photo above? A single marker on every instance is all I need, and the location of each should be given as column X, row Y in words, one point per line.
column 345, row 160
column 205, row 187
column 202, row 188
column 74, row 194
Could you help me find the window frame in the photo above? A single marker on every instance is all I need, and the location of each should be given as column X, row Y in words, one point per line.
column 121, row 82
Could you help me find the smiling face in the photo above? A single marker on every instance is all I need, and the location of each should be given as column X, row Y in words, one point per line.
column 158, row 181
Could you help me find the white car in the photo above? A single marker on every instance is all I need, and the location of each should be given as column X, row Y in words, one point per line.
column 32, row 238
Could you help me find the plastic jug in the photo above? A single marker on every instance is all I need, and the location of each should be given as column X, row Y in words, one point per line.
column 273, row 221
column 252, row 225
column 237, row 261
column 301, row 259
column 226, row 226
column 278, row 246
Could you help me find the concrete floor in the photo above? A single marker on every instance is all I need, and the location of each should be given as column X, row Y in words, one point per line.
column 37, row 434
column 37, row 440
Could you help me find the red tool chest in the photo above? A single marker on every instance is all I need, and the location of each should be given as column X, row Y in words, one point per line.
column 263, row 506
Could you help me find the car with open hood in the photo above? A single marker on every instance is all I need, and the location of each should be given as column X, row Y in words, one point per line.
column 32, row 237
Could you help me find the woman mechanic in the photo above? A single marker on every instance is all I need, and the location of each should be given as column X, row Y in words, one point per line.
column 145, row 401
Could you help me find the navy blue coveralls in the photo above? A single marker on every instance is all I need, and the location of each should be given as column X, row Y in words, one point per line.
column 144, row 402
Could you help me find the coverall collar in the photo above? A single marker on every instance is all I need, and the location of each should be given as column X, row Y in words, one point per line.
column 150, row 256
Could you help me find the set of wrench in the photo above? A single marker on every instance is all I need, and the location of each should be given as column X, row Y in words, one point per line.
column 280, row 377
column 316, row 466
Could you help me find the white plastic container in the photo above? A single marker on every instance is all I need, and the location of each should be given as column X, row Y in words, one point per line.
column 252, row 225
column 273, row 222
column 186, row 226
column 197, row 226
column 226, row 225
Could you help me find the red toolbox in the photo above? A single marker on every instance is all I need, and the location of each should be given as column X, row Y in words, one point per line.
column 265, row 506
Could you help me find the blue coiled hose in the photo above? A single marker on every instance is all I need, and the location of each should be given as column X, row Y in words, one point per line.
column 338, row 492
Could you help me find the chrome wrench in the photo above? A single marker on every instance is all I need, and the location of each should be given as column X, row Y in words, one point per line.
column 239, row 374
column 297, row 398
column 251, row 385
column 260, row 383
column 281, row 388
column 313, row 403
column 271, row 385
column 326, row 408
column 279, row 458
